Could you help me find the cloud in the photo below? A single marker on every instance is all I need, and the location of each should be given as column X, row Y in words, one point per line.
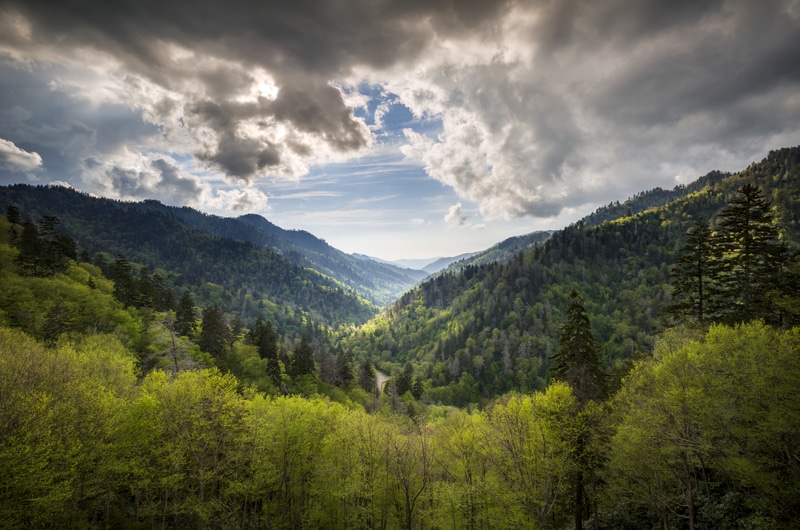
column 456, row 217
column 153, row 179
column 17, row 160
column 240, row 201
column 570, row 103
column 540, row 107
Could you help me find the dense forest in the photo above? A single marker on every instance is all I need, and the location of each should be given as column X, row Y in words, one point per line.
column 640, row 373
column 242, row 276
column 491, row 329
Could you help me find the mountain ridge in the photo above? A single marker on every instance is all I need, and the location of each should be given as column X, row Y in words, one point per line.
column 488, row 329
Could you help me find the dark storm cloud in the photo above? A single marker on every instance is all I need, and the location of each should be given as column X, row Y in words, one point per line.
column 160, row 180
column 544, row 104
column 319, row 40
column 241, row 157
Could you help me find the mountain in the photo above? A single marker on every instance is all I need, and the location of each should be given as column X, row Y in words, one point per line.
column 501, row 252
column 487, row 329
column 379, row 283
column 417, row 264
column 443, row 263
column 225, row 262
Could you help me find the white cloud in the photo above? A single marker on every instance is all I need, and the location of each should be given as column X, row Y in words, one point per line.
column 237, row 201
column 17, row 160
column 456, row 217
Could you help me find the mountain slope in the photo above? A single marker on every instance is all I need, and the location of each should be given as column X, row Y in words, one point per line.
column 240, row 276
column 377, row 282
column 491, row 328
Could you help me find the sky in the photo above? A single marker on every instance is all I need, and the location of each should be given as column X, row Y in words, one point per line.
column 394, row 128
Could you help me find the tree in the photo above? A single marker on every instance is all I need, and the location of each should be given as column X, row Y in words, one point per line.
column 124, row 285
column 214, row 335
column 405, row 380
column 577, row 363
column 186, row 315
column 264, row 338
column 303, row 359
column 12, row 214
column 30, row 250
column 694, row 276
column 344, row 368
column 367, row 377
column 751, row 256
column 57, row 247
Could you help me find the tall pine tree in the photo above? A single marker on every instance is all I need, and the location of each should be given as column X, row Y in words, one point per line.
column 186, row 315
column 303, row 359
column 752, row 258
column 577, row 363
column 695, row 276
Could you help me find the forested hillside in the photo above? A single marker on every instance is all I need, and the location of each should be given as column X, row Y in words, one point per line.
column 241, row 277
column 491, row 329
column 124, row 405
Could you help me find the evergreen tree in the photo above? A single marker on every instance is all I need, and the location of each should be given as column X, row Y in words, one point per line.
column 31, row 248
column 13, row 217
column 124, row 285
column 367, row 377
column 303, row 359
column 694, row 276
column 751, row 257
column 57, row 247
column 344, row 368
column 145, row 289
column 186, row 315
column 214, row 335
column 12, row 214
column 405, row 380
column 577, row 362
column 417, row 389
column 264, row 338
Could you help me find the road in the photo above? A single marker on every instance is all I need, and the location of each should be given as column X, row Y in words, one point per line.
column 380, row 379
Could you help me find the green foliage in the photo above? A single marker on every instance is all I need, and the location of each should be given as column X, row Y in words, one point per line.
column 708, row 421
column 739, row 273
column 237, row 274
column 706, row 430
column 492, row 329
